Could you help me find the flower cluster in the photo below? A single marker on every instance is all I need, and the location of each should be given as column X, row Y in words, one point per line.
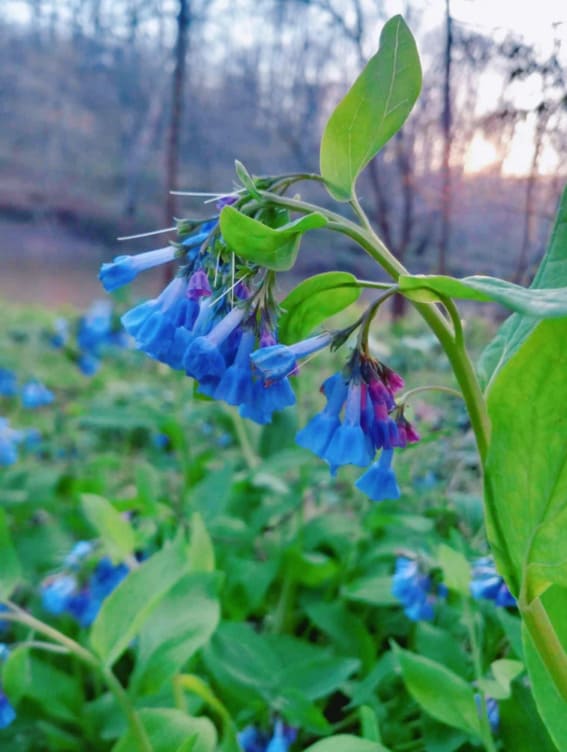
column 487, row 583
column 217, row 321
column 415, row 589
column 364, row 393
column 66, row 593
column 95, row 331
column 252, row 739
column 33, row 393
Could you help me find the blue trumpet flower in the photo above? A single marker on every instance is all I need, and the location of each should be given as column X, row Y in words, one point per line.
column 123, row 269
column 379, row 481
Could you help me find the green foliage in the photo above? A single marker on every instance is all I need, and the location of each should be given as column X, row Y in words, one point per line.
column 261, row 244
column 10, row 570
column 114, row 530
column 313, row 301
column 544, row 303
column 373, row 110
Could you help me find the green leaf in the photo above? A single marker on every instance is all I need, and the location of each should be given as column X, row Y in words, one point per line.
column 552, row 273
column 185, row 621
column 246, row 179
column 128, row 607
column 313, row 301
column 375, row 590
column 346, row 743
column 526, row 469
column 374, row 109
column 201, row 551
column 504, row 672
column 113, row 528
column 171, row 731
column 539, row 303
column 253, row 241
column 16, row 674
column 10, row 570
column 440, row 692
column 348, row 632
column 456, row 569
column 520, row 723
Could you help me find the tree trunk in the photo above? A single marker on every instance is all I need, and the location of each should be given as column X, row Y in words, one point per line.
column 447, row 140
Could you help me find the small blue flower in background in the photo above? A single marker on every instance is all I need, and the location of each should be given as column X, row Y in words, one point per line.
column 8, row 383
column 492, row 711
column 62, row 593
column 60, row 336
column 415, row 590
column 7, row 712
column 95, row 327
column 35, row 394
column 253, row 740
column 4, row 651
column 56, row 591
column 488, row 584
column 3, row 624
column 76, row 556
column 10, row 438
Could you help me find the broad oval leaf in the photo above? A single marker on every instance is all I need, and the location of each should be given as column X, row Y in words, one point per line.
column 128, row 607
column 440, row 692
column 539, row 303
column 373, row 110
column 114, row 529
column 552, row 272
column 274, row 248
column 346, row 743
column 526, row 469
column 171, row 731
column 313, row 301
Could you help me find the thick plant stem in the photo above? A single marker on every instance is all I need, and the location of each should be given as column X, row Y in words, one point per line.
column 18, row 615
column 547, row 643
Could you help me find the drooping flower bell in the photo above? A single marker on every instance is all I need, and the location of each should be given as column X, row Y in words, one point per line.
column 124, row 269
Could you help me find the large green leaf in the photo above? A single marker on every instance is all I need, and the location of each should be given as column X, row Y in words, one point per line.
column 257, row 242
column 552, row 273
column 440, row 692
column 10, row 570
column 185, row 620
column 526, row 469
column 313, row 301
column 171, row 731
column 114, row 529
column 373, row 110
column 539, row 303
column 346, row 743
column 127, row 608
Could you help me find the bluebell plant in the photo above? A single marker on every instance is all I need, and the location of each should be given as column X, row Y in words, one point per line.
column 252, row 739
column 8, row 383
column 35, row 394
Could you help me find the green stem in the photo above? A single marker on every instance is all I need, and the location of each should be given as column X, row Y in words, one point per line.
column 547, row 643
column 20, row 616
column 454, row 348
column 248, row 452
column 486, row 732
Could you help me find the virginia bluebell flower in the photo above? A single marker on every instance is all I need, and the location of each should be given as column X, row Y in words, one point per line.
column 10, row 438
column 379, row 481
column 56, row 591
column 123, row 269
column 35, row 394
column 4, row 651
column 492, row 711
column 88, row 364
column 252, row 739
column 278, row 361
column 487, row 583
column 7, row 712
column 8, row 383
column 95, row 327
column 76, row 556
column 60, row 336
column 415, row 589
